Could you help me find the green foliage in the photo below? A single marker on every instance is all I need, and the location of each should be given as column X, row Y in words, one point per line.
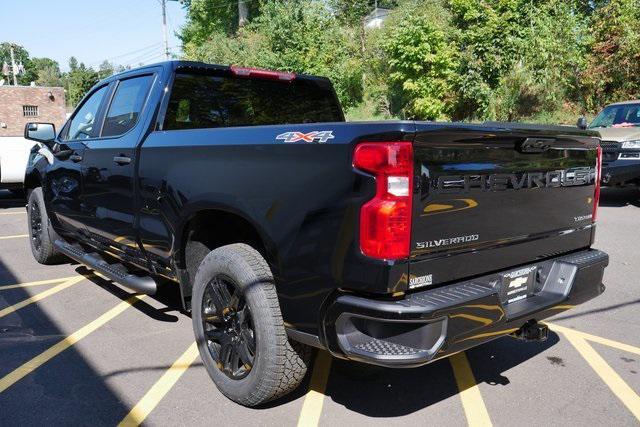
column 47, row 70
column 613, row 69
column 422, row 63
column 20, row 55
column 299, row 36
column 208, row 17
column 78, row 81
column 540, row 60
column 351, row 12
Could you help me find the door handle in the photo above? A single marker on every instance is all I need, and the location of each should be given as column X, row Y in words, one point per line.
column 122, row 160
column 75, row 158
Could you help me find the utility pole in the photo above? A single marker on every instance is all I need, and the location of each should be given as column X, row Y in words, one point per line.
column 164, row 28
column 13, row 67
column 165, row 38
column 243, row 13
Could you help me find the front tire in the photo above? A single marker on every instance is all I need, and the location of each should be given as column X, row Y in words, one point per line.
column 41, row 234
column 239, row 328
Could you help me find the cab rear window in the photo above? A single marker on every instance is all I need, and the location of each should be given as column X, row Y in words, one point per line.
column 201, row 101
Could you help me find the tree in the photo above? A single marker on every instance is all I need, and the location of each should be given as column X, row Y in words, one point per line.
column 78, row 81
column 105, row 69
column 21, row 56
column 422, row 62
column 613, row 65
column 300, row 36
column 208, row 17
column 243, row 13
column 47, row 71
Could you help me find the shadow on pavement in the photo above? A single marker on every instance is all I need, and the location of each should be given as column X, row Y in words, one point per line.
column 597, row 310
column 64, row 391
column 166, row 296
column 9, row 200
column 381, row 392
column 619, row 197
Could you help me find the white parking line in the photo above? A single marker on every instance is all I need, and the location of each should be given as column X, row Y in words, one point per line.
column 17, row 236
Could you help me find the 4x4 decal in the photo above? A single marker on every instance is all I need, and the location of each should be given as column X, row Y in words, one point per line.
column 315, row 136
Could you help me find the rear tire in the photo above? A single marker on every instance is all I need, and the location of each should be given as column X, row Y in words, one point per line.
column 41, row 234
column 239, row 329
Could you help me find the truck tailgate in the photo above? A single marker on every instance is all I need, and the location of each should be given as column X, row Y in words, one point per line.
column 492, row 197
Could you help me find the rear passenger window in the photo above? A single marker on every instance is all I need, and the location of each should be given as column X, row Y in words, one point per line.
column 126, row 105
column 201, row 101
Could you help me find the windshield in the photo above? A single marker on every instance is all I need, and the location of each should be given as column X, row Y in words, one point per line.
column 625, row 115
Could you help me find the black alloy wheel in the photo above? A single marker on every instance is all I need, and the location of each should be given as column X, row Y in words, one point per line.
column 228, row 328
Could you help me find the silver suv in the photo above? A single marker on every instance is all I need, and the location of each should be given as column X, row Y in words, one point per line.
column 619, row 128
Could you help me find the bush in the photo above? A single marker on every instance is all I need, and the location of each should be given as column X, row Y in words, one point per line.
column 302, row 37
column 421, row 62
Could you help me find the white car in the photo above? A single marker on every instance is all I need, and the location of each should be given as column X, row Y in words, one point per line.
column 14, row 155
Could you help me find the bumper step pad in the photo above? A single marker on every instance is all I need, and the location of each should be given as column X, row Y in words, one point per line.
column 435, row 323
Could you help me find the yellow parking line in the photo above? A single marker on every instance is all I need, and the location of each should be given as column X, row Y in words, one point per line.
column 38, row 283
column 33, row 364
column 314, row 400
column 472, row 402
column 40, row 296
column 17, row 236
column 155, row 394
column 594, row 338
column 610, row 377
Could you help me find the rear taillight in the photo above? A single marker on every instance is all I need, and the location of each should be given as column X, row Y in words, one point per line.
column 385, row 220
column 596, row 192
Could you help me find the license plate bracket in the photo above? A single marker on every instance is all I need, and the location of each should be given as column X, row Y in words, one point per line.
column 517, row 285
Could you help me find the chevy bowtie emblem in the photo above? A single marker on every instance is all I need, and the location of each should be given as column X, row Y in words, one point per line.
column 315, row 136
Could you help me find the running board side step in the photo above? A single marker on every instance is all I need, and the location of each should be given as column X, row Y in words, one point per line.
column 116, row 272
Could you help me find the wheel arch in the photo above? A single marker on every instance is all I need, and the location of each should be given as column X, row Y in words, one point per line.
column 208, row 228
column 32, row 180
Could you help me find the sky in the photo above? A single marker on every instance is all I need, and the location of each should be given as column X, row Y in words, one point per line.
column 125, row 32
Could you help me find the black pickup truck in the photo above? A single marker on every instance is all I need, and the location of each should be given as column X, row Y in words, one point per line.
column 392, row 243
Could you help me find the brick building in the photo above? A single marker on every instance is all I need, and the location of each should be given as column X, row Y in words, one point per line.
column 22, row 104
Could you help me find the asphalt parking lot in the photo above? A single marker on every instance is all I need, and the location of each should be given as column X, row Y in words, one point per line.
column 76, row 349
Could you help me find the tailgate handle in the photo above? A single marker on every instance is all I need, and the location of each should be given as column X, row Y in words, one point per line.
column 536, row 145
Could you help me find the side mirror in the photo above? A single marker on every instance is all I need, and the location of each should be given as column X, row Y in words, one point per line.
column 582, row 123
column 41, row 132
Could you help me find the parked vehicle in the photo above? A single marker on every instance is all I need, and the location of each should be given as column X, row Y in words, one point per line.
column 14, row 153
column 619, row 127
column 392, row 243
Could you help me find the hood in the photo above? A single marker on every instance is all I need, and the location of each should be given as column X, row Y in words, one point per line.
column 618, row 134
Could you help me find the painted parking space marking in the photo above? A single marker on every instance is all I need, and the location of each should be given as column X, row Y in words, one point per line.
column 40, row 296
column 17, row 236
column 33, row 364
column 472, row 402
column 157, row 392
column 314, row 399
column 618, row 386
column 14, row 213
column 610, row 377
column 594, row 338
column 36, row 283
